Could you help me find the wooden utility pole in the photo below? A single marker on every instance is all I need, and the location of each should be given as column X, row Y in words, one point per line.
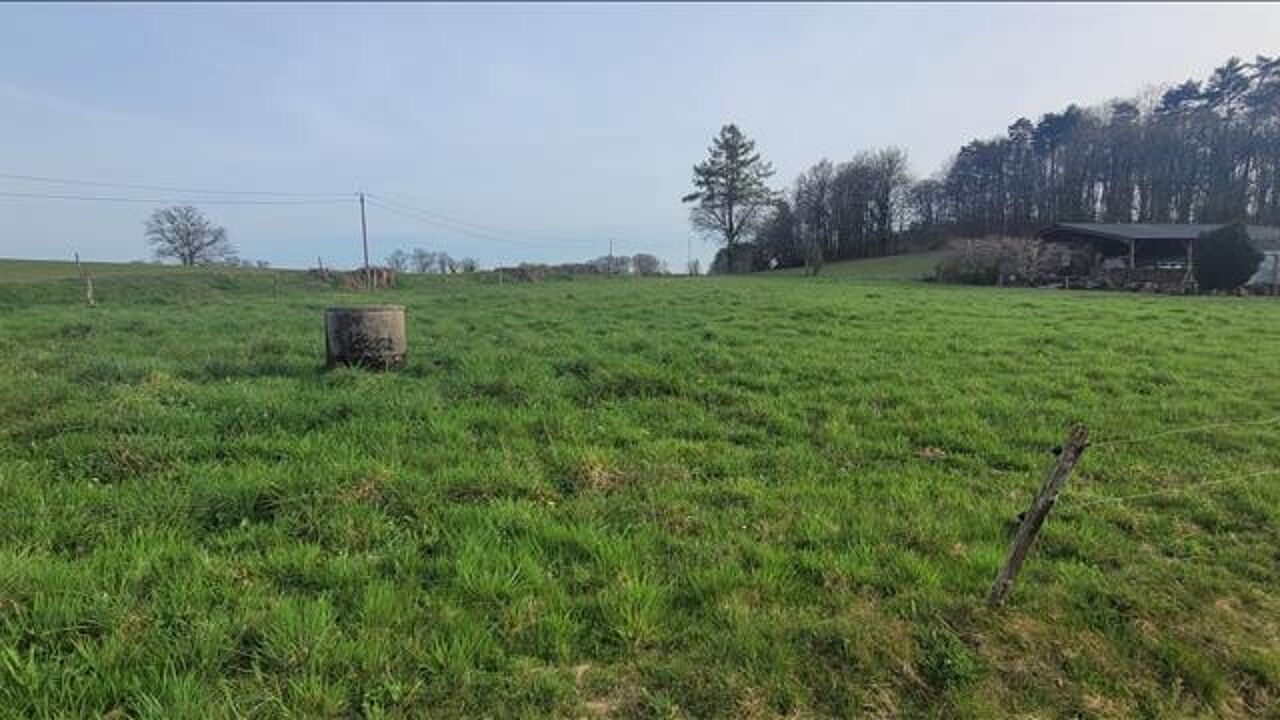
column 1070, row 454
column 364, row 237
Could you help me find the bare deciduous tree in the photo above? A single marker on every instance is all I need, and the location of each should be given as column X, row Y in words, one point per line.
column 423, row 260
column 646, row 264
column 891, row 183
column 398, row 260
column 183, row 233
column 814, row 209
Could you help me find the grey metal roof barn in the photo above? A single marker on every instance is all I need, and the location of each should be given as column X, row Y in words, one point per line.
column 1145, row 254
column 1265, row 237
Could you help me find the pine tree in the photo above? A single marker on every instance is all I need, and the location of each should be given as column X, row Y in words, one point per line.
column 729, row 187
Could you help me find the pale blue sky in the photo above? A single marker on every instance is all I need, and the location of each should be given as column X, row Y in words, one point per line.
column 553, row 122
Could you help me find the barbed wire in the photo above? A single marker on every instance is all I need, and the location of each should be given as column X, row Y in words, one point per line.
column 1120, row 499
column 1184, row 431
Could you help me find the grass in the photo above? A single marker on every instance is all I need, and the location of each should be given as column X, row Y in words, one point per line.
column 735, row 497
column 894, row 267
column 39, row 271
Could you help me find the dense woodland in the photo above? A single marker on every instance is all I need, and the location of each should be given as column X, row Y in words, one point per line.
column 1200, row 151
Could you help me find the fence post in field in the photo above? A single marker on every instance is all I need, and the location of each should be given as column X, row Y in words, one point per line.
column 1072, row 449
column 88, row 282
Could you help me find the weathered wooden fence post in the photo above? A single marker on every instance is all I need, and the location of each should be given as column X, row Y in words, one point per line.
column 1072, row 449
column 88, row 282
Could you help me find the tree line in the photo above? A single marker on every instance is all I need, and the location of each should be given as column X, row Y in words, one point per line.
column 1199, row 152
column 421, row 260
column 184, row 234
column 643, row 264
column 841, row 210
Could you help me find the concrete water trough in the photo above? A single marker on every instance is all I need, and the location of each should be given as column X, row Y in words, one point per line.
column 371, row 336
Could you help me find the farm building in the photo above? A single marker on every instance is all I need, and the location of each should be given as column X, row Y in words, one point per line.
column 1159, row 256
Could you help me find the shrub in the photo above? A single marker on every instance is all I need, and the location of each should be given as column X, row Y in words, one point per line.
column 982, row 261
column 1019, row 261
column 1226, row 258
column 746, row 258
column 969, row 268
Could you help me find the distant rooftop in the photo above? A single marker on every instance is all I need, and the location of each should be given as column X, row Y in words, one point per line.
column 1264, row 236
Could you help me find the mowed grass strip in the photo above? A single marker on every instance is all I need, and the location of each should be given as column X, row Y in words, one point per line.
column 686, row 497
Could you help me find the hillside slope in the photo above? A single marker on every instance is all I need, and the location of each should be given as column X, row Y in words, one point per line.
column 914, row 266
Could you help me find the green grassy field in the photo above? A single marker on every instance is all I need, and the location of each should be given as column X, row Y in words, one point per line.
column 43, row 271
column 895, row 267
column 734, row 497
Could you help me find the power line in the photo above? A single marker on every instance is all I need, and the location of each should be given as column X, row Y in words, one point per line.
column 264, row 197
column 1186, row 430
column 413, row 214
column 162, row 188
column 269, row 197
column 154, row 201
column 485, row 228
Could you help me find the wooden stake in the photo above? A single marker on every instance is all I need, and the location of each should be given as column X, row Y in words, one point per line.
column 1191, row 264
column 1074, row 447
column 88, row 282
